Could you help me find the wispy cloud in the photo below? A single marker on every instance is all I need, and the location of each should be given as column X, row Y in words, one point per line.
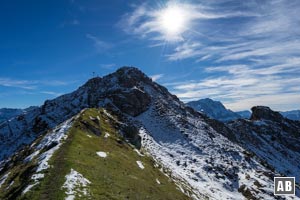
column 156, row 77
column 146, row 22
column 23, row 84
column 99, row 44
column 108, row 66
column 32, row 84
column 246, row 51
column 55, row 94
column 243, row 87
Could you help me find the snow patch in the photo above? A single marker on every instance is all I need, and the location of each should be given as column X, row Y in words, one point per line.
column 91, row 118
column 138, row 152
column 31, row 156
column 157, row 181
column 109, row 115
column 52, row 140
column 3, row 179
column 76, row 184
column 260, row 123
column 136, row 88
column 140, row 164
column 10, row 184
column 106, row 135
column 28, row 188
column 36, row 177
column 101, row 154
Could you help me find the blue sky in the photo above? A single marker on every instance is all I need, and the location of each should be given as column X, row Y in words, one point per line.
column 243, row 53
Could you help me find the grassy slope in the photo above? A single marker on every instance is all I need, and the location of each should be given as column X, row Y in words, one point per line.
column 115, row 177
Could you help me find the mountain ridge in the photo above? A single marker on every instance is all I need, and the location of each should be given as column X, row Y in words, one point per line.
column 203, row 154
column 214, row 109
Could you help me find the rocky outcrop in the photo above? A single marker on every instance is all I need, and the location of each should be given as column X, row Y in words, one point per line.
column 274, row 139
column 265, row 113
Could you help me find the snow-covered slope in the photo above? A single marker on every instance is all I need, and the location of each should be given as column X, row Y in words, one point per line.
column 214, row 109
column 183, row 142
column 78, row 160
column 202, row 156
column 272, row 138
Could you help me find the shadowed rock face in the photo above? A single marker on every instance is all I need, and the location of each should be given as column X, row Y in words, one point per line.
column 123, row 90
column 132, row 103
column 263, row 112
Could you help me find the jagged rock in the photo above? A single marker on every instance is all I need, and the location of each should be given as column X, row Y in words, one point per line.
column 263, row 112
column 132, row 134
column 133, row 102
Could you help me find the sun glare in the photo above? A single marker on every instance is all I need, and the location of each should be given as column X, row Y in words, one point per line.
column 173, row 21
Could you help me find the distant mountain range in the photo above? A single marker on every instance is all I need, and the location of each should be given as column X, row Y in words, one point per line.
column 246, row 114
column 293, row 114
column 9, row 113
column 216, row 110
column 123, row 136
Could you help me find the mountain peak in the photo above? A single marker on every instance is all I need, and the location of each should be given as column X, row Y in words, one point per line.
column 130, row 76
column 129, row 69
column 214, row 109
column 93, row 81
column 264, row 112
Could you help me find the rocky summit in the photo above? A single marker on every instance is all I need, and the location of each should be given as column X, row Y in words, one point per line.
column 123, row 136
column 265, row 113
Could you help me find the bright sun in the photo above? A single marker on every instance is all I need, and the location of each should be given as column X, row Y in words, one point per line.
column 173, row 21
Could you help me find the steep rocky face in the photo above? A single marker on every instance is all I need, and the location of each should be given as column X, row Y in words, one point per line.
column 214, row 109
column 265, row 113
column 122, row 90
